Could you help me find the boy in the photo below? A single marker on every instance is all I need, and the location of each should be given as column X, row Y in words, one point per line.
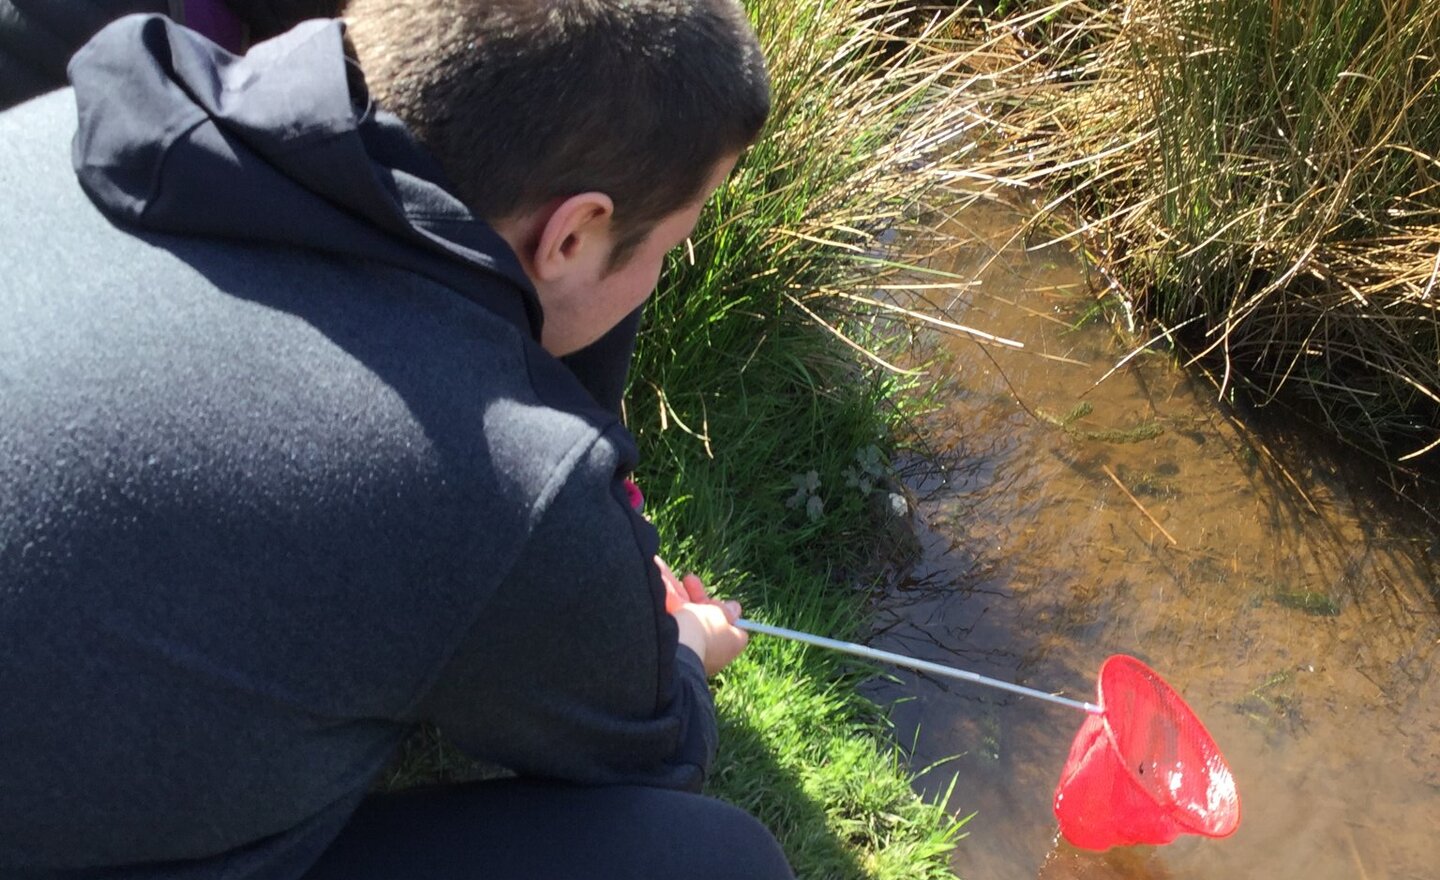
column 37, row 38
column 291, row 463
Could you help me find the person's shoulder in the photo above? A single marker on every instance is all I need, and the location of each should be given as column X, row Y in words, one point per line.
column 35, row 141
column 552, row 419
column 53, row 236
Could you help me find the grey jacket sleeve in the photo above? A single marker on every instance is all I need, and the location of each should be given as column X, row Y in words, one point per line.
column 573, row 670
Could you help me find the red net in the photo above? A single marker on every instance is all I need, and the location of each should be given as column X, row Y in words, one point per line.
column 1144, row 770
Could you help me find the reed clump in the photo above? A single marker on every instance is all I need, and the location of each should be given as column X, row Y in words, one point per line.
column 1259, row 177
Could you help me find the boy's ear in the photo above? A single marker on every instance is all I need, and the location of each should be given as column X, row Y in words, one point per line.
column 571, row 233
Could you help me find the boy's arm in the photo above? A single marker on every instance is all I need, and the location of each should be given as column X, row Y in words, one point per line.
column 574, row 670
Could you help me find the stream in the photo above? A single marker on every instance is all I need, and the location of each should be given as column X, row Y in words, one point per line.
column 1059, row 518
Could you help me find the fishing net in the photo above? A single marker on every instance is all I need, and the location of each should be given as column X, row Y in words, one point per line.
column 1143, row 770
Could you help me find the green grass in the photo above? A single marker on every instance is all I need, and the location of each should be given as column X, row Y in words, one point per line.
column 758, row 375
column 1264, row 176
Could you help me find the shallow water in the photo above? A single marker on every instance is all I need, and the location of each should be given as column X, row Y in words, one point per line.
column 1293, row 612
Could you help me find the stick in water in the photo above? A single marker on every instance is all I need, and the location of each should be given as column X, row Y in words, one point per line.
column 910, row 662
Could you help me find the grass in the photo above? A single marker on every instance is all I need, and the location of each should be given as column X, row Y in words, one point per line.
column 765, row 415
column 1259, row 177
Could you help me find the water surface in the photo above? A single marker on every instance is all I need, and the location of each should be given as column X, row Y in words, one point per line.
column 1292, row 610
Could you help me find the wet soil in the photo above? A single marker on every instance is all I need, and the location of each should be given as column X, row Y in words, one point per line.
column 1063, row 514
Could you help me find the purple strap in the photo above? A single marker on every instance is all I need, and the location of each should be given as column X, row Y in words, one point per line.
column 214, row 20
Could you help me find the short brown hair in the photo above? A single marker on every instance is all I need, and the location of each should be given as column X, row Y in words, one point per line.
column 524, row 101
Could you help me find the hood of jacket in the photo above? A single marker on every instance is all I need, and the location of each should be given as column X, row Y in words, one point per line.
column 279, row 146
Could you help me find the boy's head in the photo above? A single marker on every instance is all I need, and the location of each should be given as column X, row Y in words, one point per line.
column 528, row 103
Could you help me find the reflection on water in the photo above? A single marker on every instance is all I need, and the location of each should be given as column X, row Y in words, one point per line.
column 1061, row 521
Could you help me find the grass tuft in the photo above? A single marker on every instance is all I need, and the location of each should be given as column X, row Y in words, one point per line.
column 1260, row 176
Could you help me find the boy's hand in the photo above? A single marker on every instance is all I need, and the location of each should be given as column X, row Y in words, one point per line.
column 707, row 626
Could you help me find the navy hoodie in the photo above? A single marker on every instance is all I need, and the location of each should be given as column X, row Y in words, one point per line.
column 283, row 472
column 37, row 37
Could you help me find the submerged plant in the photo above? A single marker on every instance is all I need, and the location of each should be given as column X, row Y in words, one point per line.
column 1274, row 703
column 1312, row 602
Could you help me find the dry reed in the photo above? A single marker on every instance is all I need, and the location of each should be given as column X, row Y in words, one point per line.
column 1264, row 174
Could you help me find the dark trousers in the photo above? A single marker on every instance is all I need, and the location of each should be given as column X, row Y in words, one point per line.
column 516, row 829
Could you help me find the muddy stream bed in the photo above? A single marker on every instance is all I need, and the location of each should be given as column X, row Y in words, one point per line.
column 1292, row 609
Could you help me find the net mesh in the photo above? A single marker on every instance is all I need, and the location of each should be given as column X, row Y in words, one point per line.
column 1144, row 770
